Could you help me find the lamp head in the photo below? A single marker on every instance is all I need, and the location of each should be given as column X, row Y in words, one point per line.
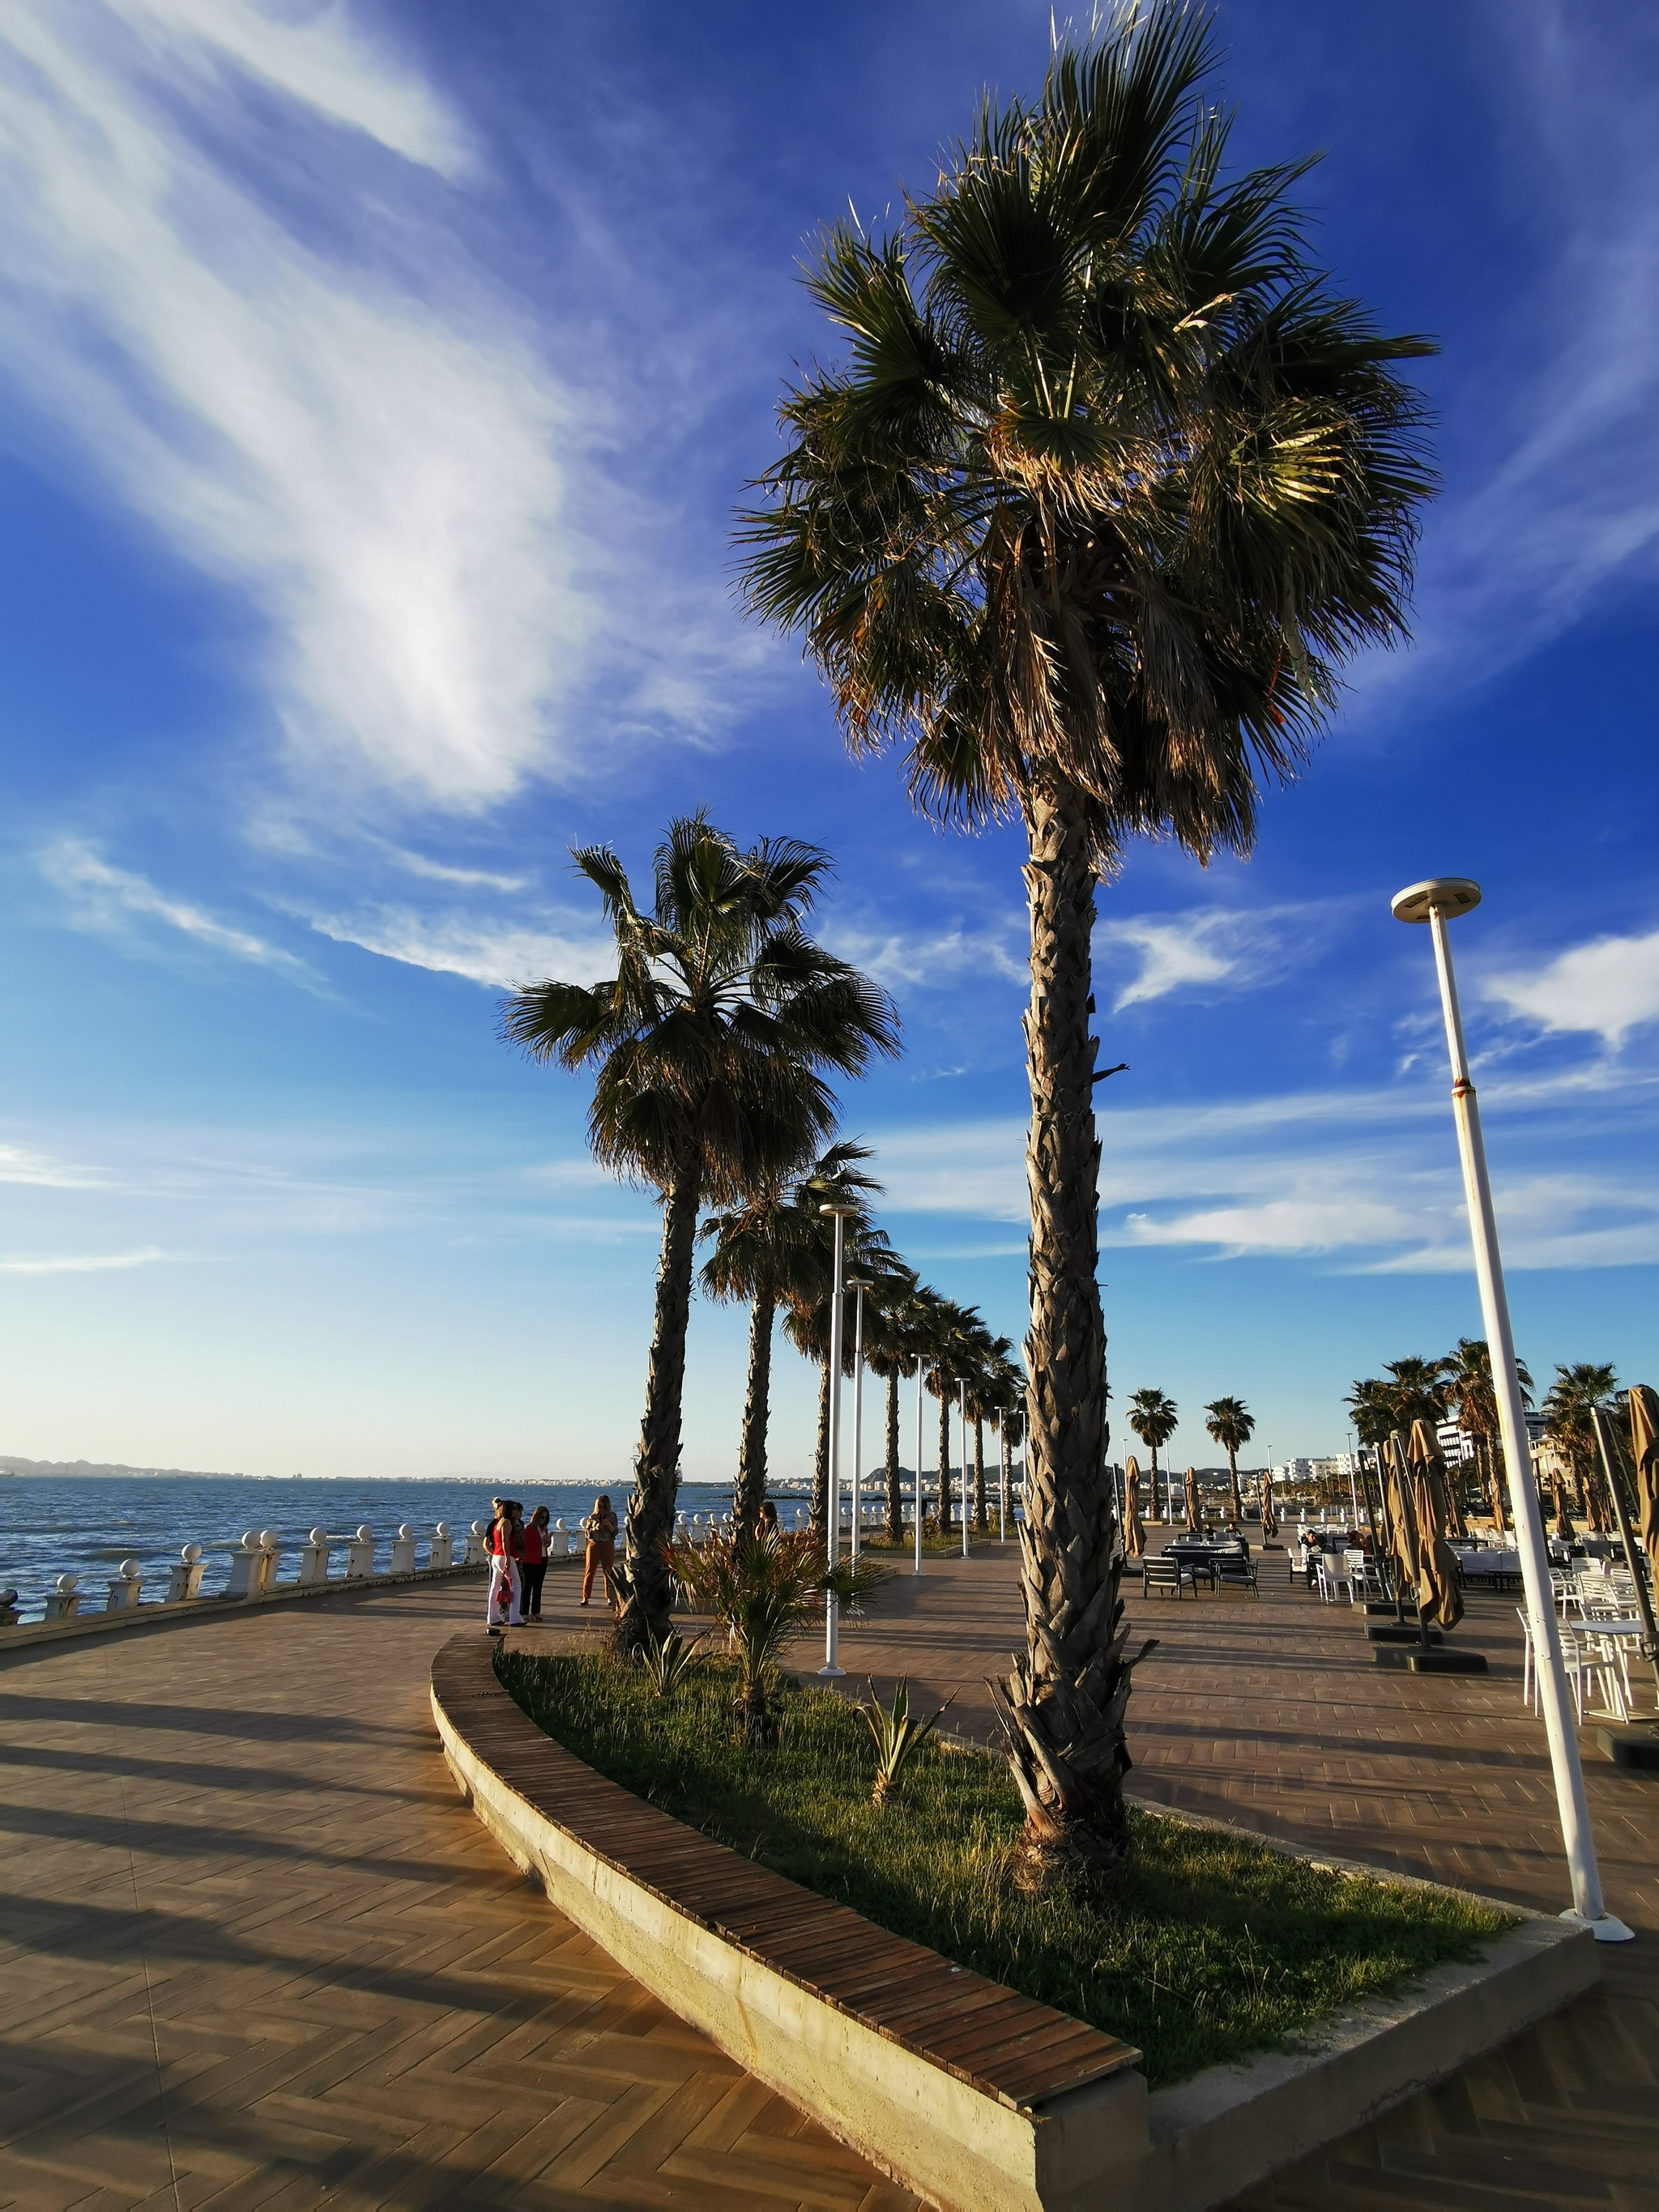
column 847, row 1212
column 1449, row 896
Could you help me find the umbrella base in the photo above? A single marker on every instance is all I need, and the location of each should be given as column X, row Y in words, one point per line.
column 1379, row 1609
column 1635, row 1748
column 1447, row 1662
column 1392, row 1632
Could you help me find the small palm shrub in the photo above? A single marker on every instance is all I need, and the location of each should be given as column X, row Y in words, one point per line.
column 854, row 1580
column 898, row 1736
column 669, row 1659
column 763, row 1590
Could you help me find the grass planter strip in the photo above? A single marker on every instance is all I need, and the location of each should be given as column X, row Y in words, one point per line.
column 1215, row 1946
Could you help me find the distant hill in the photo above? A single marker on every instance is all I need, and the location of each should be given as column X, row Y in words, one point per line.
column 85, row 1469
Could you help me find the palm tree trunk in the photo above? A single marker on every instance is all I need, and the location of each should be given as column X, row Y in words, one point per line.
column 895, row 1496
column 645, row 1591
column 757, row 1408
column 944, row 1463
column 1062, row 1708
column 1232, row 1476
column 1494, row 1484
column 981, row 1522
column 818, row 1510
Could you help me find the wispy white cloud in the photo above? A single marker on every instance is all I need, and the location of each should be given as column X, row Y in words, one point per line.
column 1605, row 988
column 1205, row 949
column 1553, row 483
column 931, row 958
column 20, row 1163
column 111, row 900
column 1354, row 1178
column 81, row 1263
column 373, row 449
column 484, row 949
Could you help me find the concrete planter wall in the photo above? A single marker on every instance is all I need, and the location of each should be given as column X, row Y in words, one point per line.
column 1105, row 2144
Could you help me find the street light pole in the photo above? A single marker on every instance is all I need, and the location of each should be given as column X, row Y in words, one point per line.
column 922, row 1378
column 831, row 1668
column 857, row 1285
column 1437, row 902
column 1002, row 1482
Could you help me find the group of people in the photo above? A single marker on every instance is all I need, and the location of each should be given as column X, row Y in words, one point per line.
column 518, row 1552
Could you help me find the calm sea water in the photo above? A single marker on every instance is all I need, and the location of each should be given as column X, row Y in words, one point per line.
column 50, row 1525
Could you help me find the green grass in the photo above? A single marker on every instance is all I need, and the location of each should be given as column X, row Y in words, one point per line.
column 1212, row 1947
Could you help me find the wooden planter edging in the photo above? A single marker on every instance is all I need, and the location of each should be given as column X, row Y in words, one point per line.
column 976, row 2097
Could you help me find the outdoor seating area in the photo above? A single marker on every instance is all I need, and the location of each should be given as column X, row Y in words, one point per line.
column 1216, row 1563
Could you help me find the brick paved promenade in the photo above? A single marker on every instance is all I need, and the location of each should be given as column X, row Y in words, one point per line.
column 240, row 1891
column 254, row 1951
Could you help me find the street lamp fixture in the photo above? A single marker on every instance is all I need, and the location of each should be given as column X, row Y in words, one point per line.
column 1441, row 900
column 831, row 1669
column 921, row 1401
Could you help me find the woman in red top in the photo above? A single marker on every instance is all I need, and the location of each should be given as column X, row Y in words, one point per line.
column 532, row 1568
column 504, row 1544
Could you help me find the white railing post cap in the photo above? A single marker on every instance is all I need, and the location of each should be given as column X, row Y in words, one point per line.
column 190, row 1553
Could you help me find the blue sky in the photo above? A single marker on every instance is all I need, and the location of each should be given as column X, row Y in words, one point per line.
column 376, row 382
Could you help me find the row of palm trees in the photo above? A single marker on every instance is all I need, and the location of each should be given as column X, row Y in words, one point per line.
column 1458, row 1385
column 1154, row 1415
column 775, row 1251
column 1108, row 483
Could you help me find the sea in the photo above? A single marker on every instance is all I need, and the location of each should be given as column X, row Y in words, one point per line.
column 54, row 1524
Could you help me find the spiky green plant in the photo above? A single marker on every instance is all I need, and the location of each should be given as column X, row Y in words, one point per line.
column 669, row 1659
column 899, row 1736
column 761, row 1590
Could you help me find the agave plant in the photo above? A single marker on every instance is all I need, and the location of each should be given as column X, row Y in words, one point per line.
column 763, row 1590
column 669, row 1659
column 898, row 1736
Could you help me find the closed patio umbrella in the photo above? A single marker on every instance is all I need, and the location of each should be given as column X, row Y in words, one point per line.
column 1397, row 1512
column 1193, row 1516
column 1564, row 1528
column 1645, row 1450
column 1134, row 1535
column 1269, row 1518
column 1440, row 1596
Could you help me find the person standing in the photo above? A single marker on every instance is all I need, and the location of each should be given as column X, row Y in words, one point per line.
column 532, row 1568
column 600, row 1530
column 504, row 1544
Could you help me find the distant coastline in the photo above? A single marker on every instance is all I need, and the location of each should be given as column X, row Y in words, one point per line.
column 88, row 1469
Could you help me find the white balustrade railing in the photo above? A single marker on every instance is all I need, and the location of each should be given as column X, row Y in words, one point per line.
column 253, row 1568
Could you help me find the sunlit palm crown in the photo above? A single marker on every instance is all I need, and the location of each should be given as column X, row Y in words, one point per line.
column 710, row 1038
column 1108, row 482
column 1230, row 1423
column 777, row 1241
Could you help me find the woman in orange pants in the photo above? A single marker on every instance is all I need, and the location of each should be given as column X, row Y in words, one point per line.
column 600, row 1530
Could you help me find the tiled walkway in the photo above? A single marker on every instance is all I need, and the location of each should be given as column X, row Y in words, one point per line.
column 254, row 1952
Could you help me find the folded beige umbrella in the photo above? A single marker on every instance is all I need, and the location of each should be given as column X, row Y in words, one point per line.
column 1397, row 1508
column 1192, row 1517
column 1134, row 1536
column 1269, row 1518
column 1564, row 1528
column 1645, row 1450
column 1440, row 1596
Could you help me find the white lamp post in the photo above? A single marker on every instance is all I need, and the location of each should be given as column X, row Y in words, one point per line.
column 1002, row 1483
column 922, row 1378
column 1436, row 902
column 858, row 1285
column 840, row 1215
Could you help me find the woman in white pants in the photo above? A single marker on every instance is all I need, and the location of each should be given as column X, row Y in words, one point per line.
column 503, row 1543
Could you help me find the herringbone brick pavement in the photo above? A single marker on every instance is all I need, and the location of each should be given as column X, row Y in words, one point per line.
column 1271, row 1715
column 254, row 1951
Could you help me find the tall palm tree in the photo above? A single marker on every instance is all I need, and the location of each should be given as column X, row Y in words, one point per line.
column 893, row 1345
column 1569, row 1402
column 710, row 1044
column 866, row 1250
column 1471, row 1398
column 763, row 1249
column 1154, row 1418
column 1232, row 1423
column 956, row 1340
column 1417, row 1391
column 1107, row 485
